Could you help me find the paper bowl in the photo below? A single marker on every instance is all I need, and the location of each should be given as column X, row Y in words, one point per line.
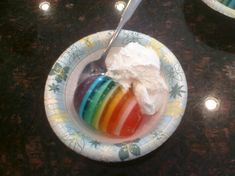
column 74, row 133
column 221, row 8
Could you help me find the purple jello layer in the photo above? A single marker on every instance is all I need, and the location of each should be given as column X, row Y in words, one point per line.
column 81, row 90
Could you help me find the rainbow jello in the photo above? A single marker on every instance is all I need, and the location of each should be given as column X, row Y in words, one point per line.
column 229, row 3
column 105, row 106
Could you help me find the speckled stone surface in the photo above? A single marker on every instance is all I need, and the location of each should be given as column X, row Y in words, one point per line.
column 32, row 40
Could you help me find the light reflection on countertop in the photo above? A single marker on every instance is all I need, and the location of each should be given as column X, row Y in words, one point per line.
column 45, row 5
column 212, row 103
column 120, row 5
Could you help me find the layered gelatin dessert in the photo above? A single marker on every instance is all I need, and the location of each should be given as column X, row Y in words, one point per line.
column 229, row 3
column 131, row 92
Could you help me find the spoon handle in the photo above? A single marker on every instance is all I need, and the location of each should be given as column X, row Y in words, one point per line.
column 127, row 14
column 129, row 10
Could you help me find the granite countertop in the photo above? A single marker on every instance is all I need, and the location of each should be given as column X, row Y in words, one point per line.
column 31, row 40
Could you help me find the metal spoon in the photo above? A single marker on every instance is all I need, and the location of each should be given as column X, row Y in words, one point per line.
column 98, row 66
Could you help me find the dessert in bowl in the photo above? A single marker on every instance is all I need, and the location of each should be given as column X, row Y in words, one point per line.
column 106, row 117
column 225, row 7
column 126, row 100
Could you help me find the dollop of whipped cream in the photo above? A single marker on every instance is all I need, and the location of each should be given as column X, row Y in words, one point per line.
column 138, row 67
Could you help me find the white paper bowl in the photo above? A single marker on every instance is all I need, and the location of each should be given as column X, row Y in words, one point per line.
column 62, row 82
column 221, row 8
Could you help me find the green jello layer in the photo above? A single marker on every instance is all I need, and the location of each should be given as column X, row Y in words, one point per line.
column 93, row 100
column 102, row 104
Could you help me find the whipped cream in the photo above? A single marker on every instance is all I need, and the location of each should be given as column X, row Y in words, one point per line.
column 137, row 67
